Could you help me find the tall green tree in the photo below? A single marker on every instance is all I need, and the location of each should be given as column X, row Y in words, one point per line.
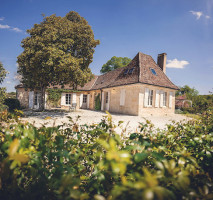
column 3, row 74
column 58, row 51
column 190, row 93
column 114, row 63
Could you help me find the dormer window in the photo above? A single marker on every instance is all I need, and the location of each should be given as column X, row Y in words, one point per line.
column 153, row 71
column 131, row 70
column 126, row 71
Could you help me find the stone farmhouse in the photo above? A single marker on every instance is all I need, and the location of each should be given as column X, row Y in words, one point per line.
column 140, row 88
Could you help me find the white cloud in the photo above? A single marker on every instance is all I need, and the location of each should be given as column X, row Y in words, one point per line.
column 8, row 82
column 17, row 29
column 4, row 26
column 175, row 63
column 10, row 28
column 1, row 18
column 197, row 14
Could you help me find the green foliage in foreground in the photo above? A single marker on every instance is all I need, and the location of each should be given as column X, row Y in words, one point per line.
column 93, row 162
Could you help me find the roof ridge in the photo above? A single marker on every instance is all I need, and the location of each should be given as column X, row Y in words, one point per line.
column 94, row 82
column 139, row 66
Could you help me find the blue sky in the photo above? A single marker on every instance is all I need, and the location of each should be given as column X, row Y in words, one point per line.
column 183, row 29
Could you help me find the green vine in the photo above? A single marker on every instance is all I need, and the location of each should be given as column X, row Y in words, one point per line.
column 54, row 95
column 97, row 102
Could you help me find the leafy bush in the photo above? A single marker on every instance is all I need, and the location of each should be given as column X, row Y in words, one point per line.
column 12, row 104
column 93, row 162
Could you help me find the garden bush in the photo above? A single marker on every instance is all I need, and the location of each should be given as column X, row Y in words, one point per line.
column 12, row 104
column 93, row 162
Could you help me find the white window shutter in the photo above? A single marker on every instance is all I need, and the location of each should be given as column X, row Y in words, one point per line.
column 102, row 101
column 63, row 99
column 161, row 99
column 122, row 97
column 157, row 98
column 146, row 97
column 81, row 100
column 31, row 97
column 74, row 98
column 170, row 99
column 45, row 100
column 108, row 101
column 88, row 100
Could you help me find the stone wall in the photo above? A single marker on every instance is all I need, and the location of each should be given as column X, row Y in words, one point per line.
column 131, row 99
column 153, row 110
column 134, row 100
column 23, row 96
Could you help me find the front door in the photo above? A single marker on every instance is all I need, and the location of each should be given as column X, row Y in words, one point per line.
column 36, row 100
column 84, row 103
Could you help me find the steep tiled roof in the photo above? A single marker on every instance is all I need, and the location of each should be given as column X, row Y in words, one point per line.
column 147, row 63
column 140, row 65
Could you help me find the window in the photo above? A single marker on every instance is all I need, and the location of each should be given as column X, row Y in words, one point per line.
column 131, row 70
column 153, row 71
column 68, row 99
column 164, row 98
column 150, row 98
column 107, row 97
column 36, row 99
column 84, row 98
column 126, row 71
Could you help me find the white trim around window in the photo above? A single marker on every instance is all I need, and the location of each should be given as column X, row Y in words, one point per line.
column 68, row 99
column 148, row 97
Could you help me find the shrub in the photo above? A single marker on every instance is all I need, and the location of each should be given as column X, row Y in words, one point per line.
column 93, row 162
column 97, row 102
column 12, row 104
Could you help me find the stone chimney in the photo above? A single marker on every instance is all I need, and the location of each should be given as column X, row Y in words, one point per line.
column 162, row 61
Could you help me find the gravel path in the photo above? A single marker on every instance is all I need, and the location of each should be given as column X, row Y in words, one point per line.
column 50, row 118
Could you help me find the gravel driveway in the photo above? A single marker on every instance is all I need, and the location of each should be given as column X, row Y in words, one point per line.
column 50, row 118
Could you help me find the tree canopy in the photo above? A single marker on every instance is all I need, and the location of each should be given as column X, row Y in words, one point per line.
column 58, row 51
column 3, row 74
column 114, row 63
column 188, row 91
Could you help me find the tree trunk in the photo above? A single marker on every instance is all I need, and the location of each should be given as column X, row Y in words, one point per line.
column 42, row 99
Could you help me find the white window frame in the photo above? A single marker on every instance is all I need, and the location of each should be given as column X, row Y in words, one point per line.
column 35, row 98
column 68, row 99
column 84, row 98
column 164, row 99
column 107, row 97
column 150, row 98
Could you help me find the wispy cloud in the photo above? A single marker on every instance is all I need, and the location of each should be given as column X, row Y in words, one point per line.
column 199, row 14
column 15, row 29
column 4, row 26
column 175, row 63
column 1, row 18
column 8, row 82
